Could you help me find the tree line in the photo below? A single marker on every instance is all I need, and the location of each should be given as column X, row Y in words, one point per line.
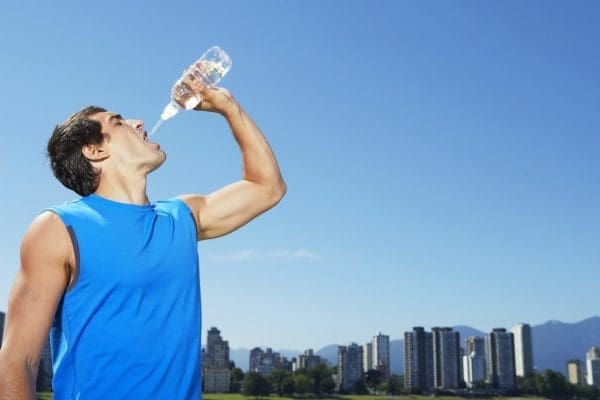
column 553, row 385
column 318, row 382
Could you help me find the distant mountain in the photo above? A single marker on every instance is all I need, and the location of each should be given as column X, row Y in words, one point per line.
column 466, row 331
column 554, row 343
column 329, row 353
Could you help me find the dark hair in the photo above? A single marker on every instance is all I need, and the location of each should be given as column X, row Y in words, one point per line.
column 68, row 163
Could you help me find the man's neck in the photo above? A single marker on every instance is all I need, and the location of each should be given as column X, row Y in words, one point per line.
column 132, row 190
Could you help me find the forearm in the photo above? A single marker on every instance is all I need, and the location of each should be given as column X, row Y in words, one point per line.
column 17, row 380
column 260, row 165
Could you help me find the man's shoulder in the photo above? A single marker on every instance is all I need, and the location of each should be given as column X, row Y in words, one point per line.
column 70, row 208
column 67, row 205
column 47, row 231
column 172, row 204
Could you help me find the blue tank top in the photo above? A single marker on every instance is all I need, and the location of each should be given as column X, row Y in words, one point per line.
column 128, row 327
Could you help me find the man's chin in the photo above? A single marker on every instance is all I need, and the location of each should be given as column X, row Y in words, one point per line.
column 158, row 162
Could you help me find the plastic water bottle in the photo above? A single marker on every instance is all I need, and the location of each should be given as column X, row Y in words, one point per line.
column 207, row 71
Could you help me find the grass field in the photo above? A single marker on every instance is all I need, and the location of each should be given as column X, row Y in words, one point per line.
column 211, row 396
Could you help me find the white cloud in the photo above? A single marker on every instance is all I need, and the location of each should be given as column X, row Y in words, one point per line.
column 263, row 255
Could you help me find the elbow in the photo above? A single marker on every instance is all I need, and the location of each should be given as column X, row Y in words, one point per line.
column 277, row 191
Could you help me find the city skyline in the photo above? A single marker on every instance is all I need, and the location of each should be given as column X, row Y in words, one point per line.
column 440, row 157
column 439, row 359
column 434, row 360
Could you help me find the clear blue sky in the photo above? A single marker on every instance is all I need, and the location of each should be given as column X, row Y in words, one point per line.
column 442, row 158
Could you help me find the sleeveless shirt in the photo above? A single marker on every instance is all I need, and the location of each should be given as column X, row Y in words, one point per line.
column 128, row 327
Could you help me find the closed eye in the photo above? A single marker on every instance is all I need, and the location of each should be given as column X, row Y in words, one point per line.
column 116, row 119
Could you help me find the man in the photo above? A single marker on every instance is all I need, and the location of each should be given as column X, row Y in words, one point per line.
column 113, row 277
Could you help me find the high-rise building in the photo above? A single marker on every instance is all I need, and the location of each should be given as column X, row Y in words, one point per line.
column 523, row 349
column 264, row 362
column 44, row 376
column 446, row 358
column 2, row 318
column 367, row 356
column 216, row 375
column 475, row 344
column 255, row 355
column 500, row 359
column 418, row 359
column 593, row 367
column 575, row 372
column 381, row 354
column 350, row 369
column 308, row 360
column 474, row 367
column 287, row 365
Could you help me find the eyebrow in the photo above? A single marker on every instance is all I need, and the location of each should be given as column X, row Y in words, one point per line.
column 114, row 116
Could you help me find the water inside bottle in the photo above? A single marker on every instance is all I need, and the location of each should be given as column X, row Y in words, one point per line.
column 184, row 93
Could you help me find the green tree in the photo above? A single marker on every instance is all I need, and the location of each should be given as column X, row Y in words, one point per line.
column 287, row 386
column 527, row 384
column 587, row 392
column 556, row 385
column 540, row 384
column 302, row 384
column 373, row 378
column 395, row 384
column 318, row 375
column 359, row 387
column 237, row 377
column 255, row 385
column 277, row 378
column 327, row 385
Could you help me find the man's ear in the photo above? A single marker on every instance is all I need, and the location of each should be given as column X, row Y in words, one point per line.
column 94, row 152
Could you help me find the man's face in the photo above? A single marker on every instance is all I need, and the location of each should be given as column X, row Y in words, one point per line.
column 126, row 145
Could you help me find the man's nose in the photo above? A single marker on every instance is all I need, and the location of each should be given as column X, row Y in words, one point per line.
column 136, row 124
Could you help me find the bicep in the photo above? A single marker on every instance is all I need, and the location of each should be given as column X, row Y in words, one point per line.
column 38, row 287
column 229, row 208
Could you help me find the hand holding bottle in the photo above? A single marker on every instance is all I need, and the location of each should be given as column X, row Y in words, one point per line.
column 215, row 99
column 186, row 95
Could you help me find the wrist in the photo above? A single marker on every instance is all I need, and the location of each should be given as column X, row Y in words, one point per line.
column 231, row 110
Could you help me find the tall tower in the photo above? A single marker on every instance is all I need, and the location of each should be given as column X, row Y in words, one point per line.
column 255, row 356
column 2, row 318
column 446, row 358
column 474, row 367
column 215, row 363
column 367, row 356
column 593, row 367
column 523, row 349
column 575, row 372
column 475, row 344
column 381, row 354
column 350, row 369
column 308, row 360
column 501, row 359
column 418, row 359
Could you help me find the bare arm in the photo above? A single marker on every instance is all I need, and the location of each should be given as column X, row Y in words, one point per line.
column 261, row 186
column 46, row 254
